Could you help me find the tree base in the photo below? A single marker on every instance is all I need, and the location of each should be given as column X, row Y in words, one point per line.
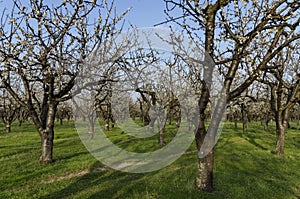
column 46, row 161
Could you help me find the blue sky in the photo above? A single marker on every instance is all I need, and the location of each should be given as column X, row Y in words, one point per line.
column 144, row 13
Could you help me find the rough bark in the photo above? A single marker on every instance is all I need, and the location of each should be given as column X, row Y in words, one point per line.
column 280, row 140
column 47, row 137
column 205, row 165
column 204, row 179
column 47, row 132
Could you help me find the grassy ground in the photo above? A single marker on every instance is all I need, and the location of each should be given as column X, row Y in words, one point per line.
column 245, row 167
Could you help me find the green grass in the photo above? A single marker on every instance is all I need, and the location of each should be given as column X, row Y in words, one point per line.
column 245, row 167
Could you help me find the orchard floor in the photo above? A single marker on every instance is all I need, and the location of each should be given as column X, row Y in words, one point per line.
column 245, row 167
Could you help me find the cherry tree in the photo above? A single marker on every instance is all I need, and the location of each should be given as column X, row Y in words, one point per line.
column 229, row 31
column 284, row 83
column 9, row 110
column 43, row 46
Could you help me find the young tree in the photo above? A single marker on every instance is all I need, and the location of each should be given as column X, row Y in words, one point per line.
column 43, row 45
column 229, row 31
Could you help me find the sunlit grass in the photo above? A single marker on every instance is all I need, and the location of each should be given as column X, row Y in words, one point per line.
column 245, row 167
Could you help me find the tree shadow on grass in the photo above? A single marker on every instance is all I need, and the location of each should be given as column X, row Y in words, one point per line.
column 111, row 181
column 251, row 139
column 256, row 177
column 59, row 158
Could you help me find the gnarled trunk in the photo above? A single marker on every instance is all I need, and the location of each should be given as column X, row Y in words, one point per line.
column 46, row 131
column 47, row 137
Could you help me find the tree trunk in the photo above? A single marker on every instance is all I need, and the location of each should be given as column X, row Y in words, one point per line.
column 46, row 131
column 106, row 127
column 235, row 123
column 47, row 137
column 204, row 179
column 151, row 125
column 280, row 140
column 161, row 137
column 281, row 125
column 244, row 119
column 161, row 127
column 91, row 128
column 8, row 127
column 245, row 126
column 266, row 125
